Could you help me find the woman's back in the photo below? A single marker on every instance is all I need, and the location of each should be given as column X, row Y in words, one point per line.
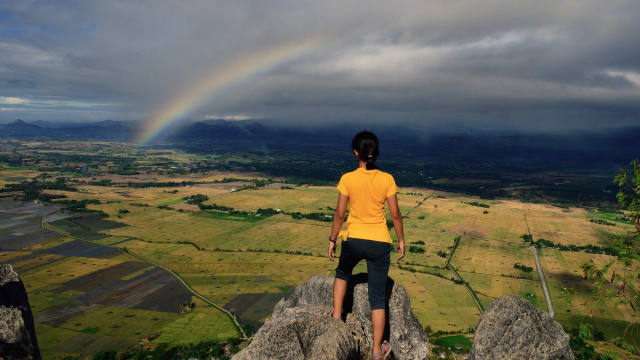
column 367, row 191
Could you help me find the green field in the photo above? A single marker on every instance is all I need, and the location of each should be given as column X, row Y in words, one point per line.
column 247, row 263
column 489, row 247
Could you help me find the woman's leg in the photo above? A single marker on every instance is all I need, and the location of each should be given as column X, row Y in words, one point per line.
column 339, row 291
column 378, row 321
column 348, row 260
column 378, row 260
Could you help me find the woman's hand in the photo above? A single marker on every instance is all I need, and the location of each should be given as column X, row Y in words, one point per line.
column 332, row 250
column 400, row 249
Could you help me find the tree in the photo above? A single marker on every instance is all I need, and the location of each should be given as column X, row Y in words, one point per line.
column 622, row 287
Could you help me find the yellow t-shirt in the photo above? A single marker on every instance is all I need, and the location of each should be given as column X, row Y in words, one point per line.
column 367, row 191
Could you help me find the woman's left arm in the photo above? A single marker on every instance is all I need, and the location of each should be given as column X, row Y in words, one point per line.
column 338, row 219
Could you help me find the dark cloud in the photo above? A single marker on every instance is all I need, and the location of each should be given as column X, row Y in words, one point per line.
column 525, row 64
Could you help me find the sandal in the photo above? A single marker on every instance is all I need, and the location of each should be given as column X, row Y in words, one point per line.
column 386, row 350
column 329, row 311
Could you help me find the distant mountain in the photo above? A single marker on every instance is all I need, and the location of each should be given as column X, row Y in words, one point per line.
column 399, row 143
column 43, row 130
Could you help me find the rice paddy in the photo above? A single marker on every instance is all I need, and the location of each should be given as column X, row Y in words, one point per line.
column 87, row 297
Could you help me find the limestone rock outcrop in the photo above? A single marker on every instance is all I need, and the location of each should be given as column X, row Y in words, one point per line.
column 17, row 329
column 298, row 328
column 512, row 328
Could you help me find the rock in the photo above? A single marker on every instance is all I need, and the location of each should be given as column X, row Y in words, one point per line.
column 298, row 328
column 513, row 328
column 17, row 329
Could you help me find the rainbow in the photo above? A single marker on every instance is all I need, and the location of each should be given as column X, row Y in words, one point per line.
column 194, row 96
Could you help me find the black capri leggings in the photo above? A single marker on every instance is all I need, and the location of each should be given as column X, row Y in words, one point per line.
column 377, row 255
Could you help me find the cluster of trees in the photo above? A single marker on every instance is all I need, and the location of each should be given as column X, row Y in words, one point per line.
column 442, row 254
column 414, row 270
column 192, row 244
column 318, row 216
column 591, row 249
column 196, row 199
column 523, row 267
column 167, row 184
column 448, row 345
column 80, row 206
column 139, row 204
column 478, row 204
column 416, row 249
column 32, row 190
column 103, row 182
column 276, row 251
column 602, row 222
column 214, row 207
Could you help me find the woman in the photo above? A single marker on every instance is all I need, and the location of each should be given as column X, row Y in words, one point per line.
column 367, row 188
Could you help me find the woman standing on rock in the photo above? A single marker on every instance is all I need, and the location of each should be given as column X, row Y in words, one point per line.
column 366, row 188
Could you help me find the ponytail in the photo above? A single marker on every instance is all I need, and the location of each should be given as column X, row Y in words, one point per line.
column 366, row 144
column 371, row 164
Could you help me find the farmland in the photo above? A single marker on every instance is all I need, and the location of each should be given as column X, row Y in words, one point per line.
column 89, row 293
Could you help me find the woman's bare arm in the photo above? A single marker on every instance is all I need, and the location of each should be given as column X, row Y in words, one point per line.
column 396, row 217
column 338, row 219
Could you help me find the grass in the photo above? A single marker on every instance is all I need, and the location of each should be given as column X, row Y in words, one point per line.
column 121, row 322
column 222, row 215
column 63, row 270
column 194, row 327
column 456, row 340
column 485, row 257
column 172, row 202
column 562, row 271
column 489, row 247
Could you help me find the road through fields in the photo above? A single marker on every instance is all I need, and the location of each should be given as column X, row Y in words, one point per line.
column 543, row 281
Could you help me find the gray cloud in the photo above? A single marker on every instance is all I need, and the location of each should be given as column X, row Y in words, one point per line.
column 526, row 64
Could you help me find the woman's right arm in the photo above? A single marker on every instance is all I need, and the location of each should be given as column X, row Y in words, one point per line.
column 338, row 219
column 396, row 217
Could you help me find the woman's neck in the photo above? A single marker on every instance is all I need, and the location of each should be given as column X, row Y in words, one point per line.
column 362, row 165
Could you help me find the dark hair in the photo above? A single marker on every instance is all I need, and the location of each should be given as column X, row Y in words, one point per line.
column 366, row 144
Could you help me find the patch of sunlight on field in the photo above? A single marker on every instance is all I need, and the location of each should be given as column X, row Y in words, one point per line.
column 492, row 257
column 122, row 322
column 63, row 271
column 6, row 256
column 49, row 337
column 435, row 301
column 195, row 327
column 51, row 243
column 568, row 226
column 434, row 242
column 140, row 272
column 42, row 300
column 301, row 199
column 122, row 197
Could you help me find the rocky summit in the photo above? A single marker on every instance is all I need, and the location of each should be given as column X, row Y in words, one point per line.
column 17, row 329
column 298, row 328
column 512, row 328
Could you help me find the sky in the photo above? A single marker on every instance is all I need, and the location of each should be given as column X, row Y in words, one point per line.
column 532, row 65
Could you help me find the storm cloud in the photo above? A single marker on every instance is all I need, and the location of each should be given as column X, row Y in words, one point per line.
column 525, row 64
